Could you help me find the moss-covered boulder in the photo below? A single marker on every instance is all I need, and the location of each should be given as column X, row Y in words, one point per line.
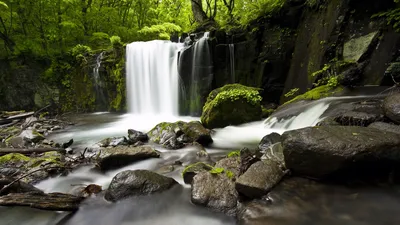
column 231, row 104
column 177, row 135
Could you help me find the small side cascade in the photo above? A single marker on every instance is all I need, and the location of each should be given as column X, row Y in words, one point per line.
column 232, row 63
column 97, row 84
column 97, row 66
column 196, row 71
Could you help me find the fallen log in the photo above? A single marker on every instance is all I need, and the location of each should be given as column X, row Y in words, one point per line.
column 5, row 121
column 9, row 124
column 21, row 116
column 51, row 201
column 29, row 151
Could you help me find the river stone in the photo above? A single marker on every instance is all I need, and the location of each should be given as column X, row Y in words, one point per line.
column 247, row 158
column 17, row 187
column 113, row 141
column 137, row 182
column 353, row 118
column 230, row 164
column 391, row 107
column 192, row 170
column 112, row 158
column 31, row 136
column 269, row 140
column 386, row 127
column 177, row 135
column 135, row 136
column 260, row 178
column 319, row 152
column 215, row 191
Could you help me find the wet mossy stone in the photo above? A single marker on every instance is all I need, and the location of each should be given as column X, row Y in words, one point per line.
column 177, row 135
column 231, row 104
column 191, row 170
column 391, row 107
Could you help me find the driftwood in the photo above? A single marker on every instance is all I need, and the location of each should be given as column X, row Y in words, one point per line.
column 52, row 201
column 5, row 121
column 9, row 124
column 21, row 116
column 28, row 151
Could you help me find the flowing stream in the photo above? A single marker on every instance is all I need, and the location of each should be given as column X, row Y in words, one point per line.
column 152, row 83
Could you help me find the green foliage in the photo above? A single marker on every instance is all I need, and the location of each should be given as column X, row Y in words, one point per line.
column 99, row 40
column 234, row 154
column 292, row 92
column 80, row 50
column 116, row 41
column 217, row 170
column 392, row 17
column 13, row 158
column 316, row 93
column 159, row 31
column 230, row 174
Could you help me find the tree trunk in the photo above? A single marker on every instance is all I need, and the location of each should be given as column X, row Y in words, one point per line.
column 198, row 13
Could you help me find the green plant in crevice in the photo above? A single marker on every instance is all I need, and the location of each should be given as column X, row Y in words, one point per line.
column 392, row 17
column 292, row 92
column 217, row 170
column 234, row 154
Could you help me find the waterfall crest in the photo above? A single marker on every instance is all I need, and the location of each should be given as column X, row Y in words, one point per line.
column 152, row 77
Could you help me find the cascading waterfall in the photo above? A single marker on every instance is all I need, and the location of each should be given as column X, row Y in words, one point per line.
column 100, row 97
column 152, row 77
column 97, row 66
column 232, row 62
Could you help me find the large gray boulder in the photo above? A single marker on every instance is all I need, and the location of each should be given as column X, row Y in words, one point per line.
column 135, row 136
column 268, row 140
column 386, row 127
column 137, row 182
column 319, row 152
column 177, row 135
column 391, row 107
column 259, row 179
column 112, row 158
column 231, row 164
column 215, row 191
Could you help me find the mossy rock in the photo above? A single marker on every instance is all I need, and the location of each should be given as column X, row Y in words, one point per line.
column 231, row 104
column 317, row 93
column 13, row 159
column 191, row 170
column 177, row 135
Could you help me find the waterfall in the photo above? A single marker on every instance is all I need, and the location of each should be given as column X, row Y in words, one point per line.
column 232, row 62
column 152, row 77
column 97, row 67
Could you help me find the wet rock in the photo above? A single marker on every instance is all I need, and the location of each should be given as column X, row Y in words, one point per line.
column 329, row 121
column 386, row 127
column 16, row 142
column 17, row 187
column 31, row 136
column 231, row 164
column 192, row 170
column 69, row 151
column 135, row 136
column 67, row 144
column 259, row 179
column 358, row 118
column 177, row 135
column 111, row 158
column 215, row 191
column 114, row 141
column 269, row 140
column 247, row 158
column 137, row 182
column 355, row 48
column 231, row 104
column 391, row 107
column 13, row 160
column 166, row 169
column 340, row 152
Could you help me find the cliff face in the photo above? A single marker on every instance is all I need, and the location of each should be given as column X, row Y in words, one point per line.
column 283, row 51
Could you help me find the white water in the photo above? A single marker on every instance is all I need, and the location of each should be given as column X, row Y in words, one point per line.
column 152, row 77
column 97, row 67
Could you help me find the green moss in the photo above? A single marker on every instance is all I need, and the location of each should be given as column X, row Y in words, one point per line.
column 266, row 112
column 234, row 154
column 229, row 174
column 231, row 105
column 316, row 93
column 48, row 157
column 195, row 166
column 13, row 158
column 217, row 170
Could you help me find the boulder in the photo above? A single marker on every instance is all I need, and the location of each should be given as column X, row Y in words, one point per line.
column 31, row 136
column 137, row 182
column 231, row 104
column 177, row 135
column 386, row 127
column 17, row 187
column 269, row 140
column 192, row 170
column 113, row 141
column 135, row 136
column 339, row 151
column 247, row 158
column 391, row 107
column 231, row 163
column 358, row 118
column 112, row 158
column 259, row 179
column 215, row 191
column 355, row 48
